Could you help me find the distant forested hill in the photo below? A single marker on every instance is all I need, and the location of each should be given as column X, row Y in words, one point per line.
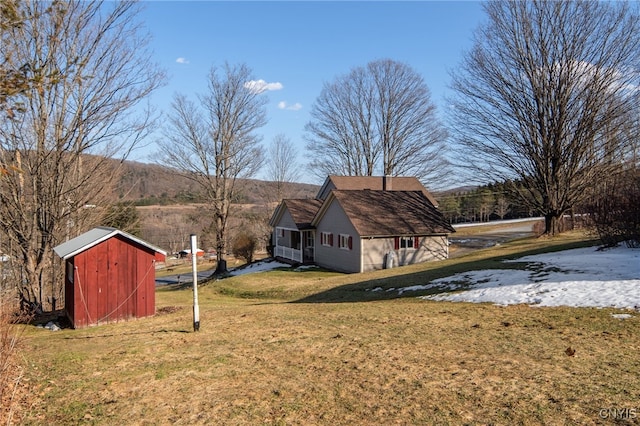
column 153, row 184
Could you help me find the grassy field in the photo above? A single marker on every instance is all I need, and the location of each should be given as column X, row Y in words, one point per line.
column 315, row 347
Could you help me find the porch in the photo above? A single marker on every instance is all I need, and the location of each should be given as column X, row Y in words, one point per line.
column 294, row 245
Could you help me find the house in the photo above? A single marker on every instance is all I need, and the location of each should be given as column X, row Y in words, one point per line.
column 362, row 223
column 109, row 277
column 186, row 253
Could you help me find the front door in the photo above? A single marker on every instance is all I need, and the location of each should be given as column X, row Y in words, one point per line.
column 308, row 246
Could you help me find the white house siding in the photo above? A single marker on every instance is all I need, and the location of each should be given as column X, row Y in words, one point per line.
column 335, row 221
column 431, row 248
column 286, row 221
column 377, row 249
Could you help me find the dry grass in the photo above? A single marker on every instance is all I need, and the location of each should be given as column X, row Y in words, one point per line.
column 12, row 389
column 261, row 359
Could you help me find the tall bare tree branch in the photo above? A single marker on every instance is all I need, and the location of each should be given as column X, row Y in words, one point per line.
column 214, row 143
column 544, row 97
column 377, row 119
column 87, row 70
column 283, row 166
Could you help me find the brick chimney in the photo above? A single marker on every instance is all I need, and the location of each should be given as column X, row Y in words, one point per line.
column 387, row 183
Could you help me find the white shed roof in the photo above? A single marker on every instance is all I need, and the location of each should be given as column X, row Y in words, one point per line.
column 96, row 236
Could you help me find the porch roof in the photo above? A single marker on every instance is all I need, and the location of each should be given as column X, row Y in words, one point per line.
column 302, row 211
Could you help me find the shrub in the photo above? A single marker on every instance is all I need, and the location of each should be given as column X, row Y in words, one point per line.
column 244, row 246
column 615, row 211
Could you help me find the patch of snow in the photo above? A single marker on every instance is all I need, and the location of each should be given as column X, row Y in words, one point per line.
column 622, row 316
column 416, row 288
column 262, row 266
column 585, row 277
column 306, row 267
column 52, row 326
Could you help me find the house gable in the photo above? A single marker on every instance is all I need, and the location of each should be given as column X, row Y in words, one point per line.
column 283, row 219
column 295, row 213
column 337, row 241
column 375, row 183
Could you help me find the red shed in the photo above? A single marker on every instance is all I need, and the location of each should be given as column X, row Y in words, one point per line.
column 110, row 277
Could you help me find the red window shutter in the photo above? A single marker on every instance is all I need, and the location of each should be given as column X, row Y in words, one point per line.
column 350, row 242
column 396, row 243
column 416, row 242
column 331, row 240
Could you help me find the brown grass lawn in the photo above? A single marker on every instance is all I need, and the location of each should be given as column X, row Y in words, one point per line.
column 315, row 347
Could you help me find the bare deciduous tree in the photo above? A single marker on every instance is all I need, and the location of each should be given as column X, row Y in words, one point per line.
column 377, row 119
column 87, row 70
column 214, row 144
column 13, row 78
column 502, row 206
column 544, row 95
column 283, row 166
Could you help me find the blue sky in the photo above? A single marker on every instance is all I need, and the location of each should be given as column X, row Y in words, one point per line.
column 301, row 45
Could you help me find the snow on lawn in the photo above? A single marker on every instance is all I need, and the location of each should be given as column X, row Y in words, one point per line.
column 266, row 265
column 261, row 266
column 581, row 277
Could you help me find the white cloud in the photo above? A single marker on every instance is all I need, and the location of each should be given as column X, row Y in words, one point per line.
column 293, row 107
column 182, row 60
column 259, row 86
column 618, row 80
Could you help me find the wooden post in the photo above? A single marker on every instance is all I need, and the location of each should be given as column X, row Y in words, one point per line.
column 194, row 267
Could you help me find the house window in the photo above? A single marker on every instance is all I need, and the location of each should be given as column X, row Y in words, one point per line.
column 407, row 242
column 280, row 232
column 326, row 239
column 310, row 239
column 346, row 242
